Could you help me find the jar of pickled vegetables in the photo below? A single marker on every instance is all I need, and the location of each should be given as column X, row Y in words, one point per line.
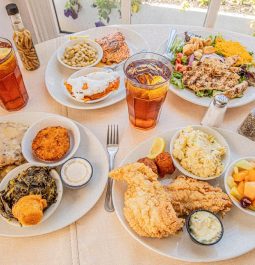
column 23, row 39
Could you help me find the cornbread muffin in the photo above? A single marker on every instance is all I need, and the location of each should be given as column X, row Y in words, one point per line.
column 29, row 209
column 51, row 143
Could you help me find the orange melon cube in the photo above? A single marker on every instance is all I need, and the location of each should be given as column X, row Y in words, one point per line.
column 249, row 190
column 240, row 176
column 240, row 188
column 251, row 175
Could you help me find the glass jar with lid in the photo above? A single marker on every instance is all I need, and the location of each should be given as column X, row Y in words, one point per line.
column 23, row 39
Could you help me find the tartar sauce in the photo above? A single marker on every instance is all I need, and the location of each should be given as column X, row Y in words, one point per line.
column 205, row 227
column 76, row 172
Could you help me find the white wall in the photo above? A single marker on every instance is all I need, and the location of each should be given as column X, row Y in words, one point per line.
column 5, row 24
column 6, row 30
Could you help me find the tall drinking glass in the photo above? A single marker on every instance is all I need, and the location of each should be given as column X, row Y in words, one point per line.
column 13, row 94
column 147, row 82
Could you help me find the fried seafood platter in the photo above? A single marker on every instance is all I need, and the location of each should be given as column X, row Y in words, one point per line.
column 165, row 210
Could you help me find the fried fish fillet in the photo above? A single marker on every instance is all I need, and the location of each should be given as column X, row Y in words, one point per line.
column 147, row 205
column 189, row 194
column 29, row 209
column 51, row 143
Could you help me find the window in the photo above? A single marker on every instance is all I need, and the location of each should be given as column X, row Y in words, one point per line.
column 169, row 12
column 78, row 15
column 67, row 16
column 237, row 15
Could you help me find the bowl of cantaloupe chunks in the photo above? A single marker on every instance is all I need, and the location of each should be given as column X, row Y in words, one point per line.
column 240, row 184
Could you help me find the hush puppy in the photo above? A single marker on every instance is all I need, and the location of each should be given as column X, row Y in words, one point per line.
column 149, row 163
column 165, row 164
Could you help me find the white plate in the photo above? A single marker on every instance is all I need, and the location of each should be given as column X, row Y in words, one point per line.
column 221, row 140
column 238, row 237
column 55, row 72
column 190, row 96
column 15, row 172
column 33, row 130
column 74, row 203
column 69, row 43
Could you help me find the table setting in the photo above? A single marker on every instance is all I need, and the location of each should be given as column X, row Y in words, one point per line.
column 128, row 144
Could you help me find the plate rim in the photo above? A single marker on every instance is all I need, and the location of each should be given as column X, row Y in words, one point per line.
column 99, row 194
column 136, row 237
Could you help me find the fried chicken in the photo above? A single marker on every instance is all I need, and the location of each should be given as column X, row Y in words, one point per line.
column 211, row 74
column 147, row 205
column 165, row 164
column 189, row 194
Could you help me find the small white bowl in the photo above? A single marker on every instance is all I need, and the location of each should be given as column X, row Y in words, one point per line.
column 70, row 43
column 220, row 139
column 15, row 172
column 83, row 72
column 228, row 173
column 53, row 120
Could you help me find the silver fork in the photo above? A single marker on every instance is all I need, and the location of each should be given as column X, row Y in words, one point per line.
column 112, row 148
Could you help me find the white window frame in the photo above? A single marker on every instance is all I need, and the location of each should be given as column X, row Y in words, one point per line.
column 212, row 13
column 49, row 28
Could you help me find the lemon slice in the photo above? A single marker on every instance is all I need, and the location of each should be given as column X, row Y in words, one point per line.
column 4, row 52
column 157, row 147
column 157, row 79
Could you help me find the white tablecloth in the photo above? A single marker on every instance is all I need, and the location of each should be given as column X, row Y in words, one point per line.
column 98, row 237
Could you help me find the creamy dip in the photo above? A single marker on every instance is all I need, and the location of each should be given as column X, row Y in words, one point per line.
column 76, row 172
column 96, row 82
column 205, row 227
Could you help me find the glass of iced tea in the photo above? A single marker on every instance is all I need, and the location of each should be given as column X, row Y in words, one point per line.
column 13, row 94
column 147, row 82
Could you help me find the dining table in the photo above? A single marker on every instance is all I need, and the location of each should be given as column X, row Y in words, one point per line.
column 98, row 238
